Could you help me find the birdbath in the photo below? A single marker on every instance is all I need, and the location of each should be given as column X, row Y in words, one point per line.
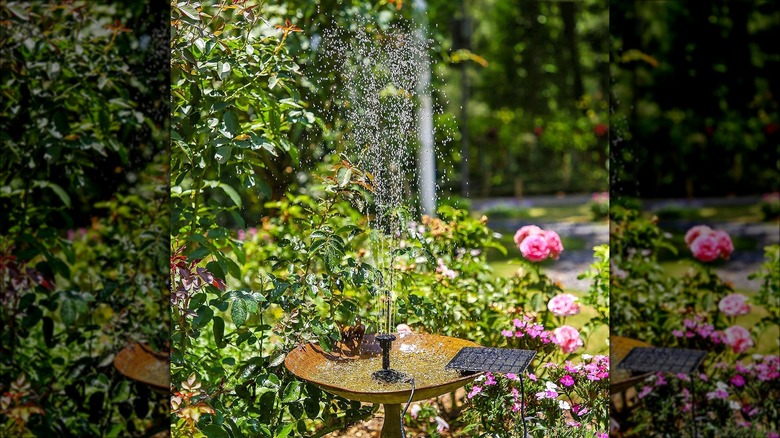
column 138, row 362
column 349, row 372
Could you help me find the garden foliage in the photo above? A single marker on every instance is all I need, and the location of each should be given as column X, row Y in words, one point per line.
column 84, row 213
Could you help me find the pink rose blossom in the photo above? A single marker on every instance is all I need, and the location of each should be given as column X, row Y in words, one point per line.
column 695, row 232
column 734, row 305
column 707, row 244
column 567, row 380
column 724, row 243
column 737, row 380
column 738, row 338
column 563, row 305
column 554, row 243
column 415, row 410
column 568, row 338
column 602, row 435
column 705, row 248
column 645, row 391
column 535, row 248
column 474, row 391
column 526, row 231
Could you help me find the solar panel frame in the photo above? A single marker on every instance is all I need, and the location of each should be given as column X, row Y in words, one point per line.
column 494, row 360
column 670, row 360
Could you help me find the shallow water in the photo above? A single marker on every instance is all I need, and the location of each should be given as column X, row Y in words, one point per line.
column 427, row 369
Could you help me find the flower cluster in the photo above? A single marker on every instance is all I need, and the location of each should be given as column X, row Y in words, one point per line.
column 445, row 272
column 15, row 404
column 183, row 402
column 537, row 245
column 696, row 328
column 425, row 415
column 529, row 334
column 707, row 244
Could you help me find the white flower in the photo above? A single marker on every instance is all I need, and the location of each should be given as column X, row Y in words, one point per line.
column 733, row 404
column 551, row 385
column 414, row 410
column 587, row 356
column 563, row 404
column 721, row 385
column 441, row 424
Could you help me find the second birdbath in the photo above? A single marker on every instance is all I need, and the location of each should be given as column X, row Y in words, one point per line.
column 357, row 374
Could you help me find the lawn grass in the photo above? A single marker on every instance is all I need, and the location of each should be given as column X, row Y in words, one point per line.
column 721, row 213
column 562, row 213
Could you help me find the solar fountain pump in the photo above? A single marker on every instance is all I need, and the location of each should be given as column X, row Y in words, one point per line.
column 387, row 374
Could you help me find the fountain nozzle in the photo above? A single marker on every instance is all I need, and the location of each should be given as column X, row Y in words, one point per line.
column 386, row 374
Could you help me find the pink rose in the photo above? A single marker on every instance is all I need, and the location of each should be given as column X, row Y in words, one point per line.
column 706, row 248
column 724, row 243
column 563, row 305
column 535, row 248
column 734, row 305
column 526, row 231
column 568, row 338
column 554, row 243
column 738, row 338
column 695, row 232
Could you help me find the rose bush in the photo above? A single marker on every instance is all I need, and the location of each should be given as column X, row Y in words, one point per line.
column 696, row 310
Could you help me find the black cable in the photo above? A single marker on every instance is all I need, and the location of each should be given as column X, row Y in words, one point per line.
column 522, row 405
column 693, row 408
column 403, row 414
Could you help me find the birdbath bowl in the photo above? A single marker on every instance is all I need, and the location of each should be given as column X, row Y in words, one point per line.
column 346, row 371
column 138, row 362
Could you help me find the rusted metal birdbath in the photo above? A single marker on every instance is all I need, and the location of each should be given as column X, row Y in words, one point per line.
column 140, row 363
column 347, row 372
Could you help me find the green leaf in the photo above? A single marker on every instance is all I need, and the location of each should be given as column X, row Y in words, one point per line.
column 277, row 361
column 284, row 431
column 223, row 154
column 69, row 311
column 292, row 392
column 231, row 192
column 204, row 315
column 19, row 11
column 231, row 122
column 56, row 189
column 238, row 312
column 215, row 431
column 224, row 70
column 48, row 331
column 219, row 331
column 189, row 11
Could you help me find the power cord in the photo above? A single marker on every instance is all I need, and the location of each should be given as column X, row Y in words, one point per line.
column 403, row 414
column 522, row 405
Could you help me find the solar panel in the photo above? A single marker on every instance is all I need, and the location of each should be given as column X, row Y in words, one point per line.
column 494, row 360
column 671, row 360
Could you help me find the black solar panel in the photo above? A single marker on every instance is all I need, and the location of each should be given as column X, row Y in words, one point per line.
column 671, row 360
column 494, row 360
